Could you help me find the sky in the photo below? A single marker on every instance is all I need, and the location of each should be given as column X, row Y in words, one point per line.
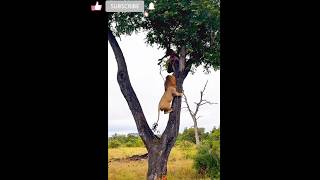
column 147, row 82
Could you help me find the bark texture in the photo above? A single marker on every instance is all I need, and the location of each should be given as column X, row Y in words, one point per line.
column 158, row 148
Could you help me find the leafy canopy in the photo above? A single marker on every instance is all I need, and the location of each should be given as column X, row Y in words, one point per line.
column 194, row 24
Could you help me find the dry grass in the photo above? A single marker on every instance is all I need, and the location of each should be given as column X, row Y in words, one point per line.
column 179, row 165
column 125, row 152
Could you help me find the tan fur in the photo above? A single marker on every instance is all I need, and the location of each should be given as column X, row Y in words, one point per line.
column 170, row 81
column 167, row 97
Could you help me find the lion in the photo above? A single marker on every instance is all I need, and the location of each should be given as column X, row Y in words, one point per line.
column 166, row 99
column 170, row 82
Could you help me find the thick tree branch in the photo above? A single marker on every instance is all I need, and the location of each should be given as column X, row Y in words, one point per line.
column 172, row 129
column 182, row 61
column 124, row 82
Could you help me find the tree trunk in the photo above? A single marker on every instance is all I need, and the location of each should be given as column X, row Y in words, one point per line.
column 158, row 148
column 194, row 118
column 196, row 131
column 157, row 163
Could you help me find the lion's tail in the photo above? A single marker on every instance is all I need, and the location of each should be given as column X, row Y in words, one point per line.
column 156, row 124
column 158, row 115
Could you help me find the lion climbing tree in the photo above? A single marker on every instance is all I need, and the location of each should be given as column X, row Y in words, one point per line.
column 192, row 29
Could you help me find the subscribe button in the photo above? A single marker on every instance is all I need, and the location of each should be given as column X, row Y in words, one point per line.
column 124, row 6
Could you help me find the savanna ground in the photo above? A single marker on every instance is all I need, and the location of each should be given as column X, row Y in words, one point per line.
column 180, row 164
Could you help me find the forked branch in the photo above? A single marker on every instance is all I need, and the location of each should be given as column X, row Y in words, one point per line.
column 124, row 82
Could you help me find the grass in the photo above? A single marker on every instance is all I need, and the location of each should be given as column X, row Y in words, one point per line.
column 179, row 165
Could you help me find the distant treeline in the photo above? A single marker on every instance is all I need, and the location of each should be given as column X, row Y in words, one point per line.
column 134, row 140
column 130, row 140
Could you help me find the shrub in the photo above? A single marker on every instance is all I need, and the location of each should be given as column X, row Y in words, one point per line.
column 133, row 141
column 124, row 141
column 185, row 145
column 207, row 162
column 188, row 135
column 207, row 159
column 114, row 143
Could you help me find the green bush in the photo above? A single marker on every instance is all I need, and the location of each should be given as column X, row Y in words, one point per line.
column 207, row 162
column 114, row 143
column 207, row 159
column 185, row 145
column 133, row 141
column 130, row 144
column 213, row 136
column 188, row 135
column 124, row 141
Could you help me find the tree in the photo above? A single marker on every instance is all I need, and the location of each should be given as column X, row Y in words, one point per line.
column 207, row 159
column 191, row 28
column 188, row 135
column 194, row 113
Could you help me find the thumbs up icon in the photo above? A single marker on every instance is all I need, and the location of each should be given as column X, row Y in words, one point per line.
column 96, row 7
